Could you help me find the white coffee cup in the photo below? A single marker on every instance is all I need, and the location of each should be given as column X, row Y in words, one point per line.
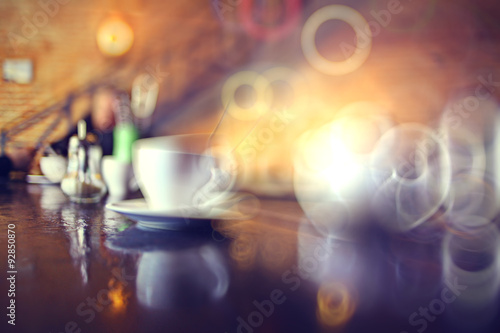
column 174, row 172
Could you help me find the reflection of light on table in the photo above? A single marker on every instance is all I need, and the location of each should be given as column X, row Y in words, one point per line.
column 117, row 296
column 336, row 305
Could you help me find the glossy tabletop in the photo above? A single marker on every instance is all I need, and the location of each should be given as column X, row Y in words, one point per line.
column 83, row 268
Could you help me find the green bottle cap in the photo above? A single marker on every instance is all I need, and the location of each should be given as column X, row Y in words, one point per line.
column 124, row 135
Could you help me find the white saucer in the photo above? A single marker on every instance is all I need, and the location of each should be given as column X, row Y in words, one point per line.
column 175, row 218
column 39, row 179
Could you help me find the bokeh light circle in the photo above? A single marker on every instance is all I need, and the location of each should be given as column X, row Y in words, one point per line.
column 295, row 81
column 336, row 304
column 292, row 9
column 351, row 17
column 258, row 82
column 411, row 168
column 114, row 37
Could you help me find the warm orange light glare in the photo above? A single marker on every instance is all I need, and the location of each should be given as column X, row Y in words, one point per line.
column 335, row 304
column 117, row 296
column 114, row 37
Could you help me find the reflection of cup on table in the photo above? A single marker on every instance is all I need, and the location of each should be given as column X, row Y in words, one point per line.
column 187, row 278
column 176, row 172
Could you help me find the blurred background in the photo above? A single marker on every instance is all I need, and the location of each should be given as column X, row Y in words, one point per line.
column 255, row 56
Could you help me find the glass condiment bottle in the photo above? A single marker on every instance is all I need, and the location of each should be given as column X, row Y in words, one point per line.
column 83, row 181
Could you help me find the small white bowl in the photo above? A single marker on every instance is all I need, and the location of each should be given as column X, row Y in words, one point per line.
column 53, row 167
